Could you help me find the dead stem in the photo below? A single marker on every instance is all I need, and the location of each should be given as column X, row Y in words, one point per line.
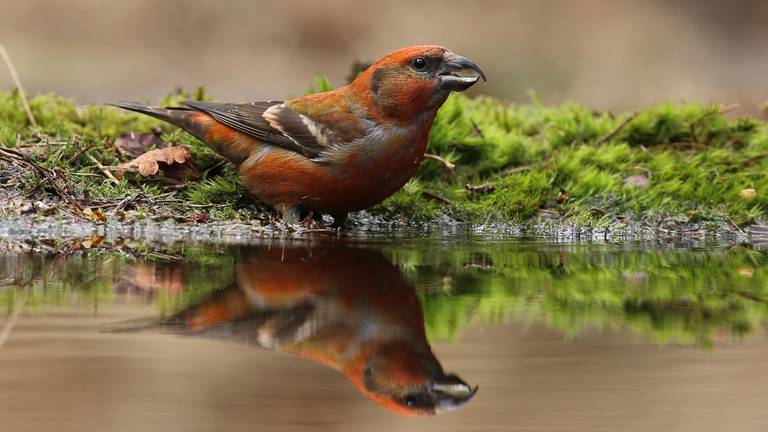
column 104, row 170
column 19, row 87
column 448, row 165
column 52, row 178
column 610, row 135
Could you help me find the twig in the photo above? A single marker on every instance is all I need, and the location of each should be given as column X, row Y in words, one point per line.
column 128, row 201
column 104, row 169
column 17, row 309
column 77, row 155
column 607, row 137
column 448, row 165
column 485, row 187
column 318, row 230
column 749, row 161
column 217, row 165
column 517, row 169
column 695, row 145
column 435, row 196
column 19, row 88
column 477, row 129
column 48, row 176
column 205, row 205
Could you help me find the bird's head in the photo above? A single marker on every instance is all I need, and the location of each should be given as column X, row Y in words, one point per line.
column 415, row 80
column 408, row 380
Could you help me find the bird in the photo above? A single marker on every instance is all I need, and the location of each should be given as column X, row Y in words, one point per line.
column 335, row 152
column 348, row 308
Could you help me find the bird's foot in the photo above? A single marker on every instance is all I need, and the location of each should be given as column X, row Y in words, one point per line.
column 341, row 221
column 290, row 213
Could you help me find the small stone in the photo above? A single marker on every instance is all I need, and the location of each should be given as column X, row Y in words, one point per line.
column 748, row 193
column 637, row 180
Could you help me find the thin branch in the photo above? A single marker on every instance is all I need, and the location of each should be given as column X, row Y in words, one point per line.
column 104, row 169
column 518, row 169
column 19, row 87
column 435, row 196
column 448, row 165
column 52, row 178
column 610, row 135
column 749, row 161
column 485, row 187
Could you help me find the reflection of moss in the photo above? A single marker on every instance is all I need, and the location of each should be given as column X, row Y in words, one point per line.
column 91, row 280
column 666, row 296
column 672, row 296
column 55, row 282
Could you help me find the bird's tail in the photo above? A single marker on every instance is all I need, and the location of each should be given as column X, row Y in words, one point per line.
column 178, row 116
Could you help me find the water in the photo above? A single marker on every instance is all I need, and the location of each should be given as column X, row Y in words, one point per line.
column 327, row 334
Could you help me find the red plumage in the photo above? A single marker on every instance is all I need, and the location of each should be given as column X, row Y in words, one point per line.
column 335, row 152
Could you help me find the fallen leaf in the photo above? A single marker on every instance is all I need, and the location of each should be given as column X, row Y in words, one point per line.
column 134, row 144
column 177, row 163
column 94, row 215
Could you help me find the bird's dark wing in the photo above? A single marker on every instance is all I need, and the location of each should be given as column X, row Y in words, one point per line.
column 272, row 122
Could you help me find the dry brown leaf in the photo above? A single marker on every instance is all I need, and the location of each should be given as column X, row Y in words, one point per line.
column 149, row 163
column 134, row 144
column 95, row 215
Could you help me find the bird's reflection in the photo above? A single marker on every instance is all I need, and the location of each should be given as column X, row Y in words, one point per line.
column 345, row 307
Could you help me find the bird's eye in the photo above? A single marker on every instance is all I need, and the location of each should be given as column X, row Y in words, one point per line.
column 419, row 63
column 410, row 401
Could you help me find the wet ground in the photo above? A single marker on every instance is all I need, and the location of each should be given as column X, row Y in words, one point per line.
column 344, row 334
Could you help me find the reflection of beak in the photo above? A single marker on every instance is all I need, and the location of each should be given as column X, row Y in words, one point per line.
column 449, row 74
column 451, row 393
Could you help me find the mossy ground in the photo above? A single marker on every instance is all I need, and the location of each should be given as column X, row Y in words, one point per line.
column 690, row 163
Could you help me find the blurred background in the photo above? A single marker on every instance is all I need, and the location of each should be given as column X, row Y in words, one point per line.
column 605, row 54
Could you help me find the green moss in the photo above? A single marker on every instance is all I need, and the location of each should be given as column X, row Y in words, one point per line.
column 566, row 159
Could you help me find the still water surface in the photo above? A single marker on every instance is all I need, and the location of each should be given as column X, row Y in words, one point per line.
column 332, row 335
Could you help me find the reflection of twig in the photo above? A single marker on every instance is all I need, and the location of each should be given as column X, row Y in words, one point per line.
column 750, row 296
column 17, row 308
column 19, row 88
column 734, row 225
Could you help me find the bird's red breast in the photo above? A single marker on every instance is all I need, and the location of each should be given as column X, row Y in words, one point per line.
column 339, row 151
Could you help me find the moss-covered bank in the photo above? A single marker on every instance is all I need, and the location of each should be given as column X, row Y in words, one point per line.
column 507, row 162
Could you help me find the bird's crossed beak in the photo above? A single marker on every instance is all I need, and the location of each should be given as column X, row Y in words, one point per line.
column 450, row 74
column 450, row 392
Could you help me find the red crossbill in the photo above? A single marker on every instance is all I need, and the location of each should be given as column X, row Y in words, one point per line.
column 336, row 152
column 347, row 308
